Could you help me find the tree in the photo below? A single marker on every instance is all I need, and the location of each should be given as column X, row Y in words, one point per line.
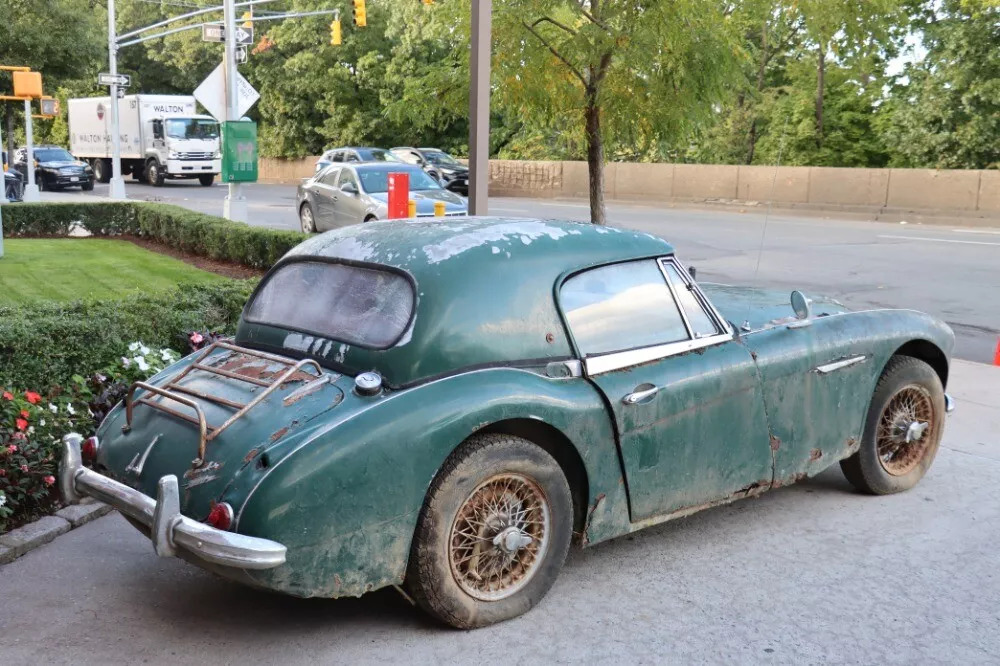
column 945, row 113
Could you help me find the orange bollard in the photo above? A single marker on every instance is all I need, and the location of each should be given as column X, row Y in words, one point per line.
column 439, row 209
column 412, row 208
column 996, row 354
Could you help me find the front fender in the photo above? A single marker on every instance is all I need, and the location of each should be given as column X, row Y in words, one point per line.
column 346, row 502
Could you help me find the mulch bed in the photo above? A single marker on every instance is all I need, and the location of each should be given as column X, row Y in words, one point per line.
column 229, row 270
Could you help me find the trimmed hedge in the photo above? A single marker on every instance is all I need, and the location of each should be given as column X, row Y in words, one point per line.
column 47, row 343
column 197, row 233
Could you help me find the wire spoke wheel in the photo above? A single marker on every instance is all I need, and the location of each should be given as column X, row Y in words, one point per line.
column 499, row 537
column 905, row 430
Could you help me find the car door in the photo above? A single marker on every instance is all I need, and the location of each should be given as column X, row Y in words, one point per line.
column 348, row 208
column 325, row 194
column 685, row 395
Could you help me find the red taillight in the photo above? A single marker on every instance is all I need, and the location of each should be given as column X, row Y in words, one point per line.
column 221, row 516
column 89, row 448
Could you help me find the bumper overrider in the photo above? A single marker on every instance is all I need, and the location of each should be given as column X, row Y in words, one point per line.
column 169, row 530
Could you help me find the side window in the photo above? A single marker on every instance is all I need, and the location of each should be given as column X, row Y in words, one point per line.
column 701, row 324
column 338, row 156
column 157, row 129
column 621, row 307
column 352, row 157
column 347, row 176
column 330, row 177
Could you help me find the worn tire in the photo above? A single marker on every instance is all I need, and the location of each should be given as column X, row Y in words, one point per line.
column 206, row 180
column 154, row 174
column 430, row 577
column 307, row 219
column 864, row 469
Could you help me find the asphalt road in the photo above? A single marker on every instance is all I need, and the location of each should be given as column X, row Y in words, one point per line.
column 813, row 573
column 952, row 273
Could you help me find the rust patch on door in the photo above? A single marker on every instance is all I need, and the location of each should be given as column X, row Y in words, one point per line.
column 775, row 443
column 815, row 455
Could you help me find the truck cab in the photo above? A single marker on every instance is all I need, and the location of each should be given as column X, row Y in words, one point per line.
column 182, row 147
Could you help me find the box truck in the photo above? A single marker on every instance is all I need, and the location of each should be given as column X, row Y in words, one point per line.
column 162, row 136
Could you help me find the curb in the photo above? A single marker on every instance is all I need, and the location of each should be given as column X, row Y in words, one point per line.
column 26, row 538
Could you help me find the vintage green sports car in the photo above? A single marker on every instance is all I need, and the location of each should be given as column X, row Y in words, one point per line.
column 442, row 406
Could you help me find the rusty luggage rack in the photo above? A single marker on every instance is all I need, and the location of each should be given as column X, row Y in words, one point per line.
column 172, row 388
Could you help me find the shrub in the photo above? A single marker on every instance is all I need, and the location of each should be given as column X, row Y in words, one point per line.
column 47, row 343
column 197, row 233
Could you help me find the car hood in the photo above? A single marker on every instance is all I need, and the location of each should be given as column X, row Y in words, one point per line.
column 57, row 164
column 762, row 308
column 458, row 169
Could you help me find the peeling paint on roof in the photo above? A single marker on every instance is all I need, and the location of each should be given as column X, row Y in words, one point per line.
column 525, row 231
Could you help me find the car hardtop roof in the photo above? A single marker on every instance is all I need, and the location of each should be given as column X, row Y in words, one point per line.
column 483, row 290
column 376, row 165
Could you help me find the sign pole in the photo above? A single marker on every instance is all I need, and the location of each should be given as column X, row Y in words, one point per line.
column 479, row 107
column 3, row 192
column 235, row 206
column 31, row 189
column 117, row 189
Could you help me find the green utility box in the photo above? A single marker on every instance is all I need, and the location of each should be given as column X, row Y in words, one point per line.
column 239, row 151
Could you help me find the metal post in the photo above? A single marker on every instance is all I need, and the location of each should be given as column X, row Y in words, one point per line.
column 479, row 107
column 235, row 206
column 3, row 174
column 117, row 189
column 31, row 189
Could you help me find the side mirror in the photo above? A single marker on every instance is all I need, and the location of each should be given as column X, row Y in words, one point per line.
column 349, row 188
column 802, row 307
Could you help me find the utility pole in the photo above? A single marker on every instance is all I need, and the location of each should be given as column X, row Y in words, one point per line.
column 31, row 189
column 3, row 192
column 235, row 206
column 117, row 189
column 479, row 106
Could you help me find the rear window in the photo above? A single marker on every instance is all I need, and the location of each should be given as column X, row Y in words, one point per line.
column 361, row 306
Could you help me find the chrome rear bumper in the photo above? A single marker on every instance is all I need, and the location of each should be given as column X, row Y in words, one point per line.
column 169, row 530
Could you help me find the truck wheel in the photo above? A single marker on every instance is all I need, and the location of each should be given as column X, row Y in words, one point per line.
column 154, row 174
column 903, row 429
column 102, row 170
column 493, row 532
column 207, row 179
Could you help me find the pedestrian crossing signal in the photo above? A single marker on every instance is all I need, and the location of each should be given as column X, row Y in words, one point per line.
column 360, row 13
column 336, row 38
column 247, row 23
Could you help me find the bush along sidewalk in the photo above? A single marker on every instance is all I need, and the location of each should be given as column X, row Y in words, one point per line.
column 32, row 425
column 197, row 233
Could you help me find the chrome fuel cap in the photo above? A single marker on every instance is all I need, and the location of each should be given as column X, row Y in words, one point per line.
column 368, row 383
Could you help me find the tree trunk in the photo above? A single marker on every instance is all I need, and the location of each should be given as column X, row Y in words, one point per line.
column 821, row 73
column 595, row 158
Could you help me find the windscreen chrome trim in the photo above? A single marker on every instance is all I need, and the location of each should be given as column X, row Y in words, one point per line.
column 598, row 365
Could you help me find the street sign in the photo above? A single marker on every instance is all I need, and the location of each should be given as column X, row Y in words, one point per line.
column 216, row 32
column 213, row 32
column 241, row 55
column 120, row 80
column 212, row 94
column 239, row 151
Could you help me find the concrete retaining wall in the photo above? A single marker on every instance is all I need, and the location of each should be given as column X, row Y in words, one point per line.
column 867, row 189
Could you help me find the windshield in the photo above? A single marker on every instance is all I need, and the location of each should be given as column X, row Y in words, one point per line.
column 376, row 181
column 439, row 157
column 53, row 155
column 361, row 306
column 377, row 155
column 191, row 128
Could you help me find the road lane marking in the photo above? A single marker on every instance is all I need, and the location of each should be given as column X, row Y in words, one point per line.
column 975, row 231
column 938, row 240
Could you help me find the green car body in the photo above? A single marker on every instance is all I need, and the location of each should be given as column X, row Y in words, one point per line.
column 338, row 476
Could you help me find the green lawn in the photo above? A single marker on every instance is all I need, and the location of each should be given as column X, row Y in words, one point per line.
column 68, row 269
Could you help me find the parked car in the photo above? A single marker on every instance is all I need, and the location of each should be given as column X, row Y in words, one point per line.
column 338, row 155
column 12, row 184
column 349, row 194
column 450, row 172
column 55, row 168
column 443, row 405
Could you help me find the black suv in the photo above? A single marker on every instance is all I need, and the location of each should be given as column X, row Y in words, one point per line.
column 55, row 168
column 452, row 174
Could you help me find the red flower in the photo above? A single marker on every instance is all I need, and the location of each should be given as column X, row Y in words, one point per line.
column 3, row 472
column 22, row 424
column 25, row 414
column 49, row 480
column 196, row 338
column 32, row 397
column 11, row 449
column 18, row 435
column 24, row 468
column 8, row 395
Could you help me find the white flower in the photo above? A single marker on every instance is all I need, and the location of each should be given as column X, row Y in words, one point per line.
column 141, row 362
column 69, row 408
column 41, row 422
column 126, row 362
column 31, row 430
column 3, row 499
column 53, row 408
column 134, row 346
column 143, row 349
column 167, row 355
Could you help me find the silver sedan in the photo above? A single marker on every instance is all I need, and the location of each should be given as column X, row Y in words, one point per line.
column 340, row 195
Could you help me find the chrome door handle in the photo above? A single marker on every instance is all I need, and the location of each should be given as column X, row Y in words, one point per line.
column 639, row 396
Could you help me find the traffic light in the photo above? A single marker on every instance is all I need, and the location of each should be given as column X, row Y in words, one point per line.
column 335, row 35
column 360, row 13
column 247, row 23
